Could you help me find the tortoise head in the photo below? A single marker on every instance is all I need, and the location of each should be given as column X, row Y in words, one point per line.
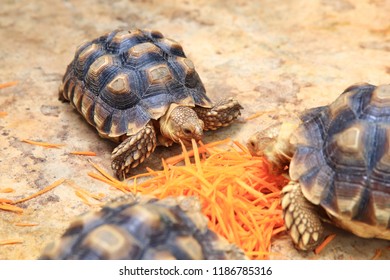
column 276, row 144
column 181, row 123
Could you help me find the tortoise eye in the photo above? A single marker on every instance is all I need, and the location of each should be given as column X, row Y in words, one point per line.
column 187, row 131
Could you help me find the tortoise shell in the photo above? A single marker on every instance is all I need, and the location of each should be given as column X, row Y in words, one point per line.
column 342, row 159
column 143, row 228
column 122, row 80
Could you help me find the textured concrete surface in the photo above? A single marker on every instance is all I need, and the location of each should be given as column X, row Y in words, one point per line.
column 276, row 57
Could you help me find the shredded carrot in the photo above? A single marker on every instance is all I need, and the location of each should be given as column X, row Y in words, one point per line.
column 43, row 144
column 10, row 207
column 11, row 241
column 324, row 243
column 8, row 84
column 178, row 158
column 85, row 195
column 377, row 255
column 25, row 224
column 3, row 114
column 238, row 194
column 83, row 153
column 7, row 190
column 44, row 190
column 5, row 200
column 258, row 114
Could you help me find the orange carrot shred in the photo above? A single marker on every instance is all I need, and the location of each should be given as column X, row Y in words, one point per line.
column 258, row 114
column 3, row 114
column 5, row 200
column 8, row 84
column 83, row 153
column 85, row 195
column 239, row 195
column 11, row 241
column 9, row 207
column 178, row 158
column 7, row 190
column 324, row 243
column 43, row 144
column 377, row 255
column 25, row 224
column 44, row 190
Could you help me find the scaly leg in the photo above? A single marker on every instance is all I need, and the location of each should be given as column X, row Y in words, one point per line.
column 301, row 218
column 223, row 113
column 133, row 150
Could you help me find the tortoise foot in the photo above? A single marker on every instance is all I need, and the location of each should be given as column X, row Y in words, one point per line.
column 301, row 218
column 222, row 114
column 133, row 150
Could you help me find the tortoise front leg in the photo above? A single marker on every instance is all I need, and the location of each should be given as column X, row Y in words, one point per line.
column 133, row 150
column 223, row 113
column 301, row 218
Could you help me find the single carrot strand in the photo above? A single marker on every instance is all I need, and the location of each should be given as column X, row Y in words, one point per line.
column 44, row 190
column 11, row 241
column 12, row 208
column 7, row 190
column 3, row 114
column 197, row 158
column 104, row 173
column 83, row 153
column 84, row 194
column 258, row 114
column 83, row 197
column 8, row 84
column 324, row 243
column 377, row 255
column 43, row 144
column 5, row 200
column 25, row 224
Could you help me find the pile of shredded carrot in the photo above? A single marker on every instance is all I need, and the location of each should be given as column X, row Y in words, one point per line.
column 239, row 195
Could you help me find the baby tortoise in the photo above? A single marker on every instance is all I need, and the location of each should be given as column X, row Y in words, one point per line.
column 138, row 88
column 143, row 228
column 339, row 165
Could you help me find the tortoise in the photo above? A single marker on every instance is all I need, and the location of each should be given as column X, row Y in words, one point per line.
column 143, row 227
column 138, row 88
column 339, row 166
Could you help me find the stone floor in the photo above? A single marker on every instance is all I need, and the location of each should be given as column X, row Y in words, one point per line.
column 277, row 57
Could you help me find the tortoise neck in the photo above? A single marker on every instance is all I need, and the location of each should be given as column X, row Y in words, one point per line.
column 166, row 128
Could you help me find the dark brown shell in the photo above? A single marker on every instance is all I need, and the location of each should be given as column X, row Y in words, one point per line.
column 122, row 80
column 143, row 228
column 342, row 158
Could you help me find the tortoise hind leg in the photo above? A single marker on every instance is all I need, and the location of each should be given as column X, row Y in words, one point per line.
column 223, row 113
column 301, row 218
column 133, row 150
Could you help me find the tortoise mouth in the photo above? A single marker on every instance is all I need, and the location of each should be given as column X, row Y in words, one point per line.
column 188, row 142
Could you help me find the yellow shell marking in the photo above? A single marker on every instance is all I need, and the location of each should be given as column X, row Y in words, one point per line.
column 381, row 96
column 87, row 52
column 159, row 74
column 350, row 140
column 119, row 85
column 140, row 49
